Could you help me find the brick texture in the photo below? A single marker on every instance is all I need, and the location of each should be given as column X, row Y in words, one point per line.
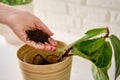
column 98, row 14
column 112, row 4
column 77, row 16
column 115, row 17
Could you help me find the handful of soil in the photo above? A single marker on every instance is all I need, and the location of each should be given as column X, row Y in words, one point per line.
column 37, row 36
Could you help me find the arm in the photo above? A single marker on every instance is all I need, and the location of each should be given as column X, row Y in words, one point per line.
column 20, row 20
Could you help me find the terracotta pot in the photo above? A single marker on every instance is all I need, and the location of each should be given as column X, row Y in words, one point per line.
column 56, row 71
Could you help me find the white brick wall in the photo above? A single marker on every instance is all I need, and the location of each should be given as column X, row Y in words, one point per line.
column 77, row 16
column 111, row 4
column 88, row 12
column 115, row 17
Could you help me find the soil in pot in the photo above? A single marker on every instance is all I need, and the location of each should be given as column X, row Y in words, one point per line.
column 44, row 57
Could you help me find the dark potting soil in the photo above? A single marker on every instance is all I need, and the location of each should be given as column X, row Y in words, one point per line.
column 37, row 36
column 40, row 60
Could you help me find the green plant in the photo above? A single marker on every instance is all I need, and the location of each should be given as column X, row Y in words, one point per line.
column 15, row 2
column 96, row 46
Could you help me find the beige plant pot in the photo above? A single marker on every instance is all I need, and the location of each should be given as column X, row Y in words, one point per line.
column 56, row 71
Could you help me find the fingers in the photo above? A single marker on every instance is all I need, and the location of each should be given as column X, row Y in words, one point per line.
column 49, row 47
column 52, row 41
column 45, row 46
column 40, row 25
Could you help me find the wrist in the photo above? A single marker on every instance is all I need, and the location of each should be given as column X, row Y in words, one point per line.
column 5, row 12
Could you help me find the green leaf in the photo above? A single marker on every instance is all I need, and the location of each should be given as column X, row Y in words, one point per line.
column 96, row 50
column 89, row 46
column 79, row 53
column 5, row 1
column 96, row 31
column 103, row 63
column 89, row 34
column 100, row 73
column 104, row 55
column 15, row 2
column 116, row 46
column 86, row 48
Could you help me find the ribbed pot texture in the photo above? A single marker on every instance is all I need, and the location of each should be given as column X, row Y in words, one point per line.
column 56, row 71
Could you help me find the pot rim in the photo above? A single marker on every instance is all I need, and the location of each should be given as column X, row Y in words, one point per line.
column 47, row 65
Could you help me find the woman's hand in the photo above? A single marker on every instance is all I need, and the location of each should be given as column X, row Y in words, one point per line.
column 20, row 21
